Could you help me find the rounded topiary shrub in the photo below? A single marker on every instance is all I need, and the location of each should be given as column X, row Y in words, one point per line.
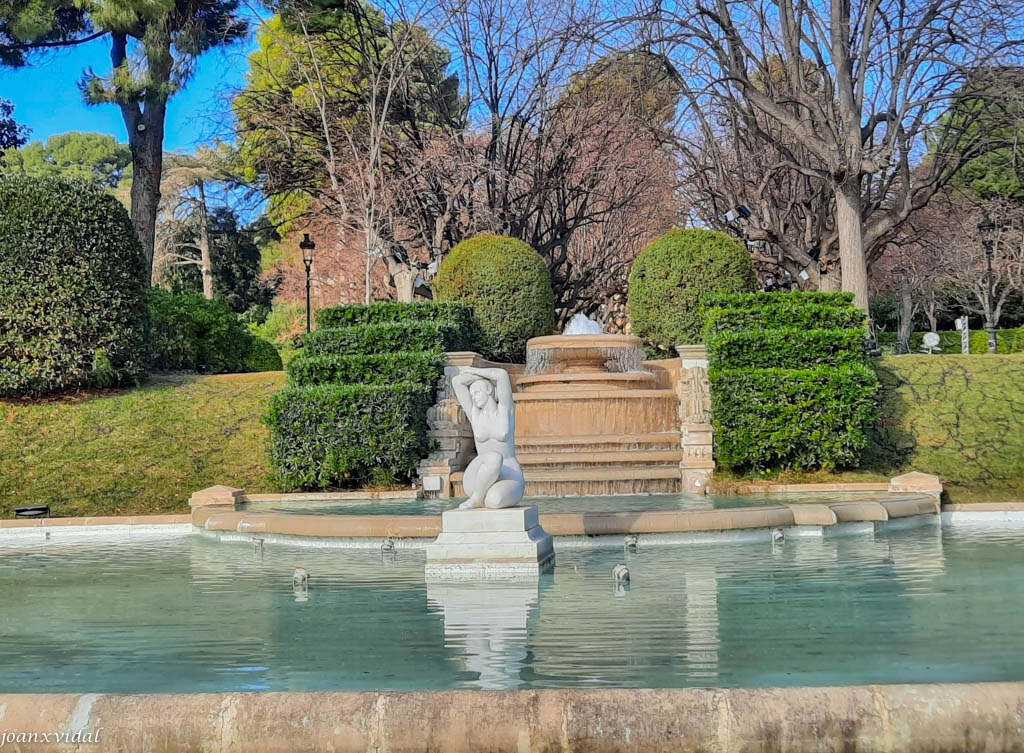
column 263, row 356
column 508, row 285
column 72, row 288
column 191, row 333
column 673, row 273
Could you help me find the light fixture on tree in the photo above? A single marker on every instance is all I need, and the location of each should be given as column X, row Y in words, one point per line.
column 308, row 246
column 739, row 212
column 987, row 227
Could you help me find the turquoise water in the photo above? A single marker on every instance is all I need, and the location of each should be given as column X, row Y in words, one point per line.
column 191, row 614
column 621, row 503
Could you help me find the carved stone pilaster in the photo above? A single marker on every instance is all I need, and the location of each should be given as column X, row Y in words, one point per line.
column 697, row 434
column 449, row 431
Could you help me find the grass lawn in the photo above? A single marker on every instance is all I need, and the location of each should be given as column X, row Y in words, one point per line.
column 136, row 451
column 959, row 417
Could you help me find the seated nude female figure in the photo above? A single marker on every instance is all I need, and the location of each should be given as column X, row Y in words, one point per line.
column 494, row 479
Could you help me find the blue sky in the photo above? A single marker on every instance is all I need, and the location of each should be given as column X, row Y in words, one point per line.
column 47, row 100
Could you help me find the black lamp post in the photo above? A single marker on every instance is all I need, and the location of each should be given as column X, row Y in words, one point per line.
column 987, row 228
column 307, row 247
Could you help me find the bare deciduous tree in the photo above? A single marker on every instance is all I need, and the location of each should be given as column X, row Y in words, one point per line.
column 859, row 85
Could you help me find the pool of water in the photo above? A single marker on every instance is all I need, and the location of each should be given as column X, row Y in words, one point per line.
column 191, row 615
column 612, row 503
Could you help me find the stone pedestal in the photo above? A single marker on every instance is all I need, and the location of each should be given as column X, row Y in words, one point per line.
column 484, row 544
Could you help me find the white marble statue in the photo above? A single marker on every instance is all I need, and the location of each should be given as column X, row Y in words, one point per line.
column 494, row 478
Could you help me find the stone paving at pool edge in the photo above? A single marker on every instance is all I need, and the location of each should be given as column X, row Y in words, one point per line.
column 222, row 517
column 922, row 718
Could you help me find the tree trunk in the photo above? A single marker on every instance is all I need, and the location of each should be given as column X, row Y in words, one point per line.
column 931, row 311
column 205, row 259
column 366, row 278
column 906, row 320
column 145, row 125
column 405, row 285
column 831, row 282
column 851, row 242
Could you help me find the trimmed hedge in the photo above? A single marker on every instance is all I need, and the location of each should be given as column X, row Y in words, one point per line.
column 785, row 395
column 781, row 348
column 672, row 275
column 456, row 313
column 366, row 339
column 509, row 287
column 263, row 356
column 326, row 436
column 382, row 368
column 793, row 418
column 190, row 331
column 1007, row 340
column 790, row 310
column 794, row 301
column 72, row 288
column 355, row 412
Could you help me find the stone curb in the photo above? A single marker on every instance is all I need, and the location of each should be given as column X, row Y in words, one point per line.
column 867, row 718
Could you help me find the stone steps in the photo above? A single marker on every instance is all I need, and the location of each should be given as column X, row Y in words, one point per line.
column 625, row 460
column 665, row 440
column 566, row 480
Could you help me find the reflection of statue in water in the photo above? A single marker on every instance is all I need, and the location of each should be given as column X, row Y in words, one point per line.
column 494, row 479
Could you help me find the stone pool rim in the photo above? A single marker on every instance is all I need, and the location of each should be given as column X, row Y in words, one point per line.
column 908, row 718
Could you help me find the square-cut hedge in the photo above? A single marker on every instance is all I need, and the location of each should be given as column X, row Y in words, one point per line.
column 786, row 348
column 794, row 301
column 423, row 368
column 801, row 312
column 793, row 418
column 790, row 384
column 387, row 337
column 328, row 436
column 459, row 315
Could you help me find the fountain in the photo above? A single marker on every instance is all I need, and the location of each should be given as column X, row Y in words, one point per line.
column 585, row 357
column 593, row 419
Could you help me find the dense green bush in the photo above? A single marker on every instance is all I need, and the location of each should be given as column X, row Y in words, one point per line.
column 786, row 395
column 455, row 313
column 263, row 356
column 328, row 436
column 783, row 347
column 805, row 310
column 509, row 287
column 792, row 418
column 423, row 368
column 285, row 325
column 672, row 274
column 190, row 331
column 384, row 338
column 72, row 283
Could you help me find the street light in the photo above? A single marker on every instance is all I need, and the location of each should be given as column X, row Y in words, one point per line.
column 307, row 247
column 987, row 228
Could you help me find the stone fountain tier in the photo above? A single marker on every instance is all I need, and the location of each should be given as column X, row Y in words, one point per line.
column 591, row 362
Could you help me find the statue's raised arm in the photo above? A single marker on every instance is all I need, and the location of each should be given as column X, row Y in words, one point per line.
column 494, row 478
